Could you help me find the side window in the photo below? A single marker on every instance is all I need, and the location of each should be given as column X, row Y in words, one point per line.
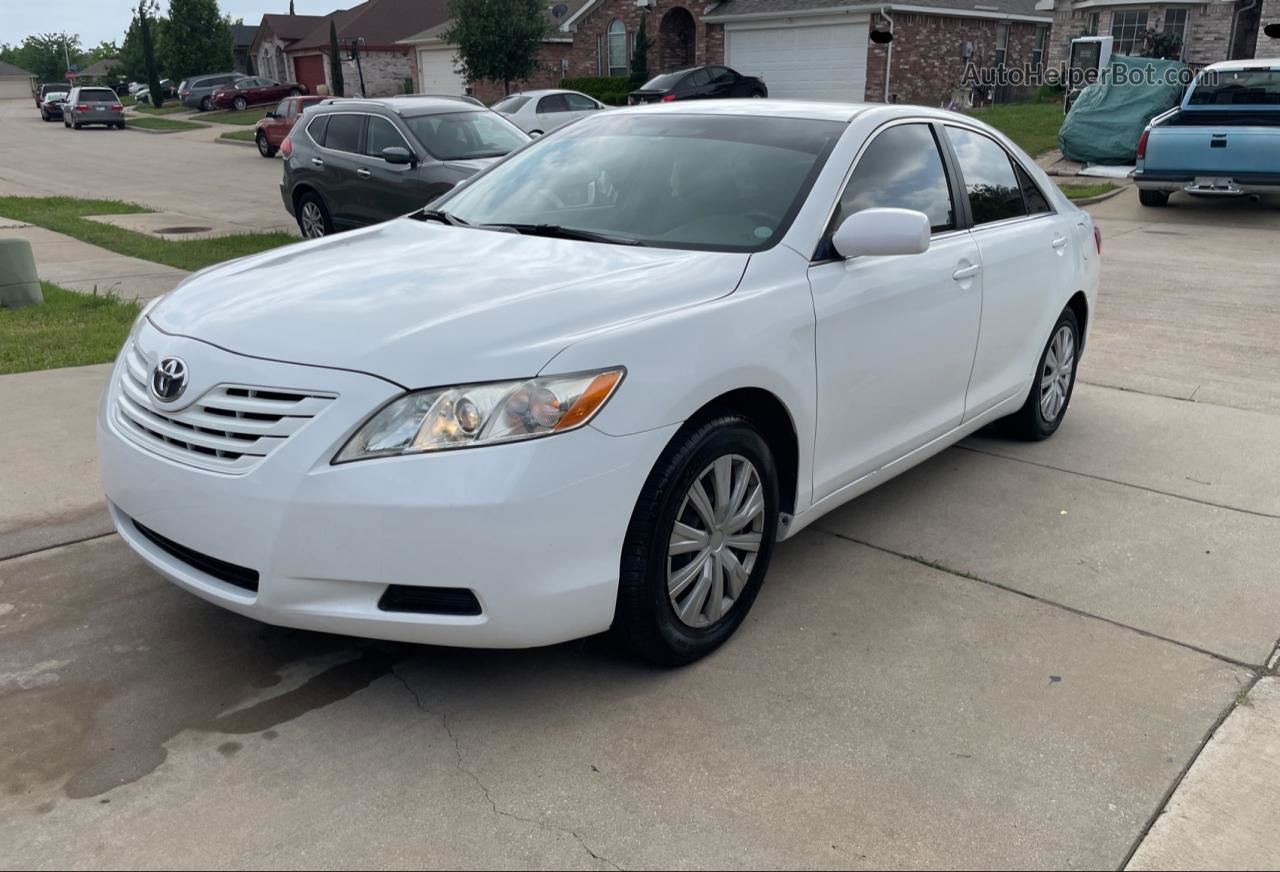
column 721, row 76
column 554, row 103
column 344, row 132
column 696, row 79
column 317, row 128
column 580, row 103
column 381, row 134
column 1035, row 199
column 994, row 192
column 901, row 169
column 285, row 109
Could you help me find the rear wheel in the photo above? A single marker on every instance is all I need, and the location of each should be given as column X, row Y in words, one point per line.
column 265, row 148
column 66, row 123
column 1050, row 394
column 240, row 103
column 699, row 542
column 76, row 125
column 313, row 217
column 1153, row 198
column 206, row 104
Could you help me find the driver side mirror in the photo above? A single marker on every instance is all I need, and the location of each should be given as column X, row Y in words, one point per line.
column 396, row 154
column 882, row 233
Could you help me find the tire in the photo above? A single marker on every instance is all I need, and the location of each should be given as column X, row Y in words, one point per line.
column 1153, row 198
column 240, row 103
column 44, row 116
column 757, row 95
column 1033, row 422
column 66, row 123
column 77, row 125
column 294, row 92
column 265, row 148
column 646, row 622
column 205, row 104
column 313, row 224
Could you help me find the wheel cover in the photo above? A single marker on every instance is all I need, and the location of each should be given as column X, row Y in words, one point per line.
column 312, row 220
column 1055, row 376
column 715, row 541
column 263, row 145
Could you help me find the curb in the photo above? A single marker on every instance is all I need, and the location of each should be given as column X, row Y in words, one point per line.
column 248, row 142
column 1089, row 201
column 127, row 126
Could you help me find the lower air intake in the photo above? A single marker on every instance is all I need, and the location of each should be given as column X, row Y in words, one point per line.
column 429, row 600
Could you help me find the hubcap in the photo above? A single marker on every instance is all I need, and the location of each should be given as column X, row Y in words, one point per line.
column 715, row 541
column 262, row 143
column 312, row 221
column 1055, row 377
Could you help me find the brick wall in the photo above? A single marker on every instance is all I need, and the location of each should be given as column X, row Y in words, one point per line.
column 384, row 73
column 706, row 43
column 1208, row 28
column 547, row 76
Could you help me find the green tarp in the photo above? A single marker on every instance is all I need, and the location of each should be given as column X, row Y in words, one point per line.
column 1108, row 117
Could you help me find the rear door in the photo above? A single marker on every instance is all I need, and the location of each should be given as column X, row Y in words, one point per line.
column 337, row 161
column 552, row 111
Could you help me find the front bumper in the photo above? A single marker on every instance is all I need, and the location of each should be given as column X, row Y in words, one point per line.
column 533, row 529
column 1237, row 184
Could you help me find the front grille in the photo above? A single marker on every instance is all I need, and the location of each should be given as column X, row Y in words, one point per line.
column 231, row 428
column 240, row 576
column 429, row 600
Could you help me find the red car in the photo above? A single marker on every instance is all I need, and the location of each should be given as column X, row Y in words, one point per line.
column 253, row 90
column 271, row 130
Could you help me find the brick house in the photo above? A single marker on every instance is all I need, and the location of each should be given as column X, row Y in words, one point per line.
column 276, row 34
column 1209, row 30
column 817, row 49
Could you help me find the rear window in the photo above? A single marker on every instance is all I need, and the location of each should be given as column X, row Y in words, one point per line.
column 98, row 95
column 510, row 105
column 1238, row 88
column 465, row 135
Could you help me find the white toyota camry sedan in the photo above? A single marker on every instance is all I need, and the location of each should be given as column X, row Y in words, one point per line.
column 590, row 388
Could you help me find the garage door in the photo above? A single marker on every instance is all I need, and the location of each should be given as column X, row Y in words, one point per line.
column 436, row 75
column 15, row 88
column 827, row 62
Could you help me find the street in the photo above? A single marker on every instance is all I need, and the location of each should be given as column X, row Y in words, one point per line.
column 1009, row 656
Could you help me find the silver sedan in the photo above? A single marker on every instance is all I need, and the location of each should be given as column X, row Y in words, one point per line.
column 539, row 112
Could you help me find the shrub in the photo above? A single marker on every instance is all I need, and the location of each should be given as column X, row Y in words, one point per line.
column 612, row 90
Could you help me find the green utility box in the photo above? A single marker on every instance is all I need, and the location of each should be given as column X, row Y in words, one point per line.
column 19, row 284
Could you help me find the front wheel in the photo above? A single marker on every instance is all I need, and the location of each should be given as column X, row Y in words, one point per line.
column 699, row 542
column 1153, row 198
column 265, row 148
column 1050, row 394
column 240, row 103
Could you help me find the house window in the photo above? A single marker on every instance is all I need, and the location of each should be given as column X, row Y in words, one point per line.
column 1094, row 24
column 1175, row 23
column 1002, row 44
column 1129, row 29
column 1037, row 53
column 617, row 48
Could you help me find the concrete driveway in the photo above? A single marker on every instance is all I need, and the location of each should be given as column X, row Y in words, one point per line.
column 1008, row 657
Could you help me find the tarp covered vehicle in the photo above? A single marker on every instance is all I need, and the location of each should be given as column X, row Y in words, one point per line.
column 1109, row 116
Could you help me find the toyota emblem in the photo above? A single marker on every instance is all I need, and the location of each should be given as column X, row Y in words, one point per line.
column 169, row 379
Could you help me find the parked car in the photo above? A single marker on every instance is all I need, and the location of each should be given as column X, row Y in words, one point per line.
column 580, row 393
column 50, row 88
column 51, row 106
column 271, row 131
column 358, row 162
column 92, row 105
column 539, row 112
column 699, row 83
column 254, row 90
column 1222, row 141
column 197, row 92
column 143, row 94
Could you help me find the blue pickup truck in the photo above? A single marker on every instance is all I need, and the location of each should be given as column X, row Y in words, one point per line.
column 1224, row 139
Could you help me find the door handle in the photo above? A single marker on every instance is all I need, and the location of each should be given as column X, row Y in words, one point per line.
column 1060, row 242
column 363, row 173
column 315, row 161
column 966, row 272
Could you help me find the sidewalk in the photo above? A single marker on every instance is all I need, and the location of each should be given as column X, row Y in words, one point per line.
column 80, row 266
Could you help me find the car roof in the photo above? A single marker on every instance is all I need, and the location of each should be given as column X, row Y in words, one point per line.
column 543, row 92
column 407, row 105
column 1255, row 64
column 814, row 109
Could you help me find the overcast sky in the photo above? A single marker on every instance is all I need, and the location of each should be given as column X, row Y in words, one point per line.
column 96, row 20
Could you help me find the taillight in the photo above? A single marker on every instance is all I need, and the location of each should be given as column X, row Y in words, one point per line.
column 668, row 98
column 286, row 147
column 82, row 107
column 1142, row 144
column 1097, row 239
column 117, row 107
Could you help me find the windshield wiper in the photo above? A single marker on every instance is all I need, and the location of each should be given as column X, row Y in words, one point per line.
column 439, row 215
column 555, row 231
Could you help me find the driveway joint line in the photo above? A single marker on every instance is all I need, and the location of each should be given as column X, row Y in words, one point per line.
column 457, row 749
column 54, row 547
column 1103, row 478
column 959, row 573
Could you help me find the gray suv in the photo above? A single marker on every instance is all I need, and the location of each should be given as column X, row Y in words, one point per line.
column 92, row 105
column 197, row 92
column 349, row 163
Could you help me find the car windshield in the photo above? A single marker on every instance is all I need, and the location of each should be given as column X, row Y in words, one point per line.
column 1236, row 88
column 465, row 135
column 706, row 182
column 509, row 105
column 665, row 81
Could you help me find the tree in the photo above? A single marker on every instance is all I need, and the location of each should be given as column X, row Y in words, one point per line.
column 640, row 54
column 101, row 51
column 498, row 40
column 156, row 92
column 196, row 39
column 335, row 61
column 45, row 54
column 1162, row 44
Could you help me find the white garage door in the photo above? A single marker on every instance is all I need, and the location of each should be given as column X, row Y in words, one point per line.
column 15, row 88
column 825, row 62
column 436, row 75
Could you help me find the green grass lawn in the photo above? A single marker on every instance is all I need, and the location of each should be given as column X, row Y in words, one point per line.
column 169, row 108
column 66, row 215
column 1033, row 126
column 252, row 115
column 239, row 135
column 70, row 329
column 162, row 124
column 1083, row 192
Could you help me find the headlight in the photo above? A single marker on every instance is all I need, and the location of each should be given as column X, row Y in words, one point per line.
column 482, row 414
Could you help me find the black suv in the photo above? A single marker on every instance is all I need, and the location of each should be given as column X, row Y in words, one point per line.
column 699, row 83
column 348, row 163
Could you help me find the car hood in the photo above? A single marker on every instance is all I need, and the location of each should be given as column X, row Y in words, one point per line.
column 424, row 304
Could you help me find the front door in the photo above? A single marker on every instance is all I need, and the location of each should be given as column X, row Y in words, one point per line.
column 385, row 190
column 895, row 335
